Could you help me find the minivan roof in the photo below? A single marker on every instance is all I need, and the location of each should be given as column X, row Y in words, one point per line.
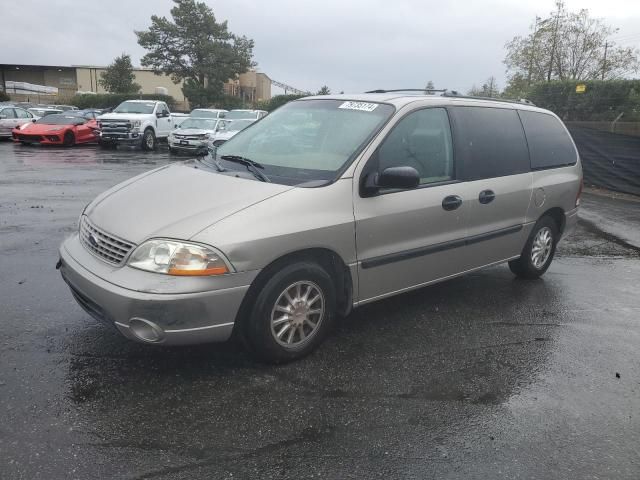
column 400, row 100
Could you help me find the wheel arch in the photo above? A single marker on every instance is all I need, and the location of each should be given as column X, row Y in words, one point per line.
column 558, row 216
column 326, row 258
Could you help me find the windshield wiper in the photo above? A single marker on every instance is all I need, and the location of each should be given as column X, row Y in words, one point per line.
column 250, row 164
column 214, row 161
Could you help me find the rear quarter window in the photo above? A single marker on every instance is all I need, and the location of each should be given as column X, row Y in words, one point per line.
column 549, row 143
column 489, row 142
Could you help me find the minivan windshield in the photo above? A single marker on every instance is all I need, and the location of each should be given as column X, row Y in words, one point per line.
column 308, row 140
column 135, row 107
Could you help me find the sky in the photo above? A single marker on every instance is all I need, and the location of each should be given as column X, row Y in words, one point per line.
column 349, row 45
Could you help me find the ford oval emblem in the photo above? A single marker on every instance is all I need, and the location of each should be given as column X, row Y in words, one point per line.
column 93, row 240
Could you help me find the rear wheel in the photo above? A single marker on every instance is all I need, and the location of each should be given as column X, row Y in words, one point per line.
column 292, row 313
column 148, row 140
column 539, row 250
column 69, row 139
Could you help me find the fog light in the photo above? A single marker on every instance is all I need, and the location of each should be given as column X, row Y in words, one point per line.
column 145, row 330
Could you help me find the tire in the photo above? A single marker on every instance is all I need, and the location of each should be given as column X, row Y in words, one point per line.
column 69, row 139
column 539, row 250
column 275, row 336
column 148, row 140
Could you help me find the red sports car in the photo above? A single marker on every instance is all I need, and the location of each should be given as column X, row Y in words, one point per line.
column 59, row 129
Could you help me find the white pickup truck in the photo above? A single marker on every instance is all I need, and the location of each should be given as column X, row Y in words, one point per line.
column 141, row 122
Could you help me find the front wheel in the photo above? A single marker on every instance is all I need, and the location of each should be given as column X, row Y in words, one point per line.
column 292, row 313
column 148, row 140
column 69, row 139
column 539, row 250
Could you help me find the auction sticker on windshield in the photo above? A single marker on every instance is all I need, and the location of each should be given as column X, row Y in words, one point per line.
column 363, row 106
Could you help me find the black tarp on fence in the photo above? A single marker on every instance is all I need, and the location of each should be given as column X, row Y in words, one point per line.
column 609, row 160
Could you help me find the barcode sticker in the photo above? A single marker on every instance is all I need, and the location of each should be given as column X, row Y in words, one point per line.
column 362, row 106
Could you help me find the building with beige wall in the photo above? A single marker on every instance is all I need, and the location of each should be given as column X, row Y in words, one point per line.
column 251, row 86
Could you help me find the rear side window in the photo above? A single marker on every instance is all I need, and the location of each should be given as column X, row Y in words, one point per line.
column 489, row 142
column 549, row 143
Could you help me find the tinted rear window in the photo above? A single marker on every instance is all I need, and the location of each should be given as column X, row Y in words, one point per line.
column 549, row 143
column 489, row 142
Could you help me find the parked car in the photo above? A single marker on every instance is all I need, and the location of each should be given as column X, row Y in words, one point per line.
column 281, row 230
column 12, row 117
column 40, row 112
column 138, row 122
column 227, row 129
column 245, row 114
column 193, row 135
column 208, row 113
column 57, row 129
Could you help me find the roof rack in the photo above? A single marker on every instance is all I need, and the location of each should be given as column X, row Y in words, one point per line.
column 408, row 90
column 490, row 99
column 454, row 94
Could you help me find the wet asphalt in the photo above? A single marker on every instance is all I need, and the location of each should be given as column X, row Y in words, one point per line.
column 484, row 376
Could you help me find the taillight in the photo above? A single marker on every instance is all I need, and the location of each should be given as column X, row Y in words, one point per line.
column 579, row 192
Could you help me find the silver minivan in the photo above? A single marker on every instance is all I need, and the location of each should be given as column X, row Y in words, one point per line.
column 324, row 205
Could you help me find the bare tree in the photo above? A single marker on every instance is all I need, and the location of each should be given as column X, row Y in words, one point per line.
column 488, row 89
column 569, row 46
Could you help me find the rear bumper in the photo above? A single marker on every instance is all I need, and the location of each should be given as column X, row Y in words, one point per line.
column 176, row 318
column 571, row 221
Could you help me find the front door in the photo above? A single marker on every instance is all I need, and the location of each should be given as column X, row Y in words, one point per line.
column 407, row 238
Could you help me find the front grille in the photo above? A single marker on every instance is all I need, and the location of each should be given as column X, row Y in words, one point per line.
column 103, row 245
column 29, row 138
column 189, row 137
column 115, row 126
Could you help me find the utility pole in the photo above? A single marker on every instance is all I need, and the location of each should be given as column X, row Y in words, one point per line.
column 555, row 40
column 533, row 49
column 604, row 60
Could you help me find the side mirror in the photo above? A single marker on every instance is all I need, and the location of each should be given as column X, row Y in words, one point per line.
column 176, row 126
column 33, row 120
column 158, row 114
column 392, row 177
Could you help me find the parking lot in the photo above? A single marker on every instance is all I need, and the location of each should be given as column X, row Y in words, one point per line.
column 484, row 376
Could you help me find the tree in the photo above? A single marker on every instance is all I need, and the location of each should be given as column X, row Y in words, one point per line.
column 324, row 90
column 429, row 88
column 568, row 46
column 489, row 89
column 195, row 48
column 119, row 76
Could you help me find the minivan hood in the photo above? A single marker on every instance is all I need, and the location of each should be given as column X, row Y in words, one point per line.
column 176, row 201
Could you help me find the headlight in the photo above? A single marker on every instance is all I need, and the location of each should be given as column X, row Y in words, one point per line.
column 206, row 136
column 135, row 123
column 178, row 258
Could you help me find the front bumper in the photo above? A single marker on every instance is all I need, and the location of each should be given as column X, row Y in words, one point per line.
column 120, row 137
column 178, row 318
column 190, row 146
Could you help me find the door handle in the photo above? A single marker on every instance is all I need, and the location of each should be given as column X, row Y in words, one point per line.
column 486, row 196
column 451, row 202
